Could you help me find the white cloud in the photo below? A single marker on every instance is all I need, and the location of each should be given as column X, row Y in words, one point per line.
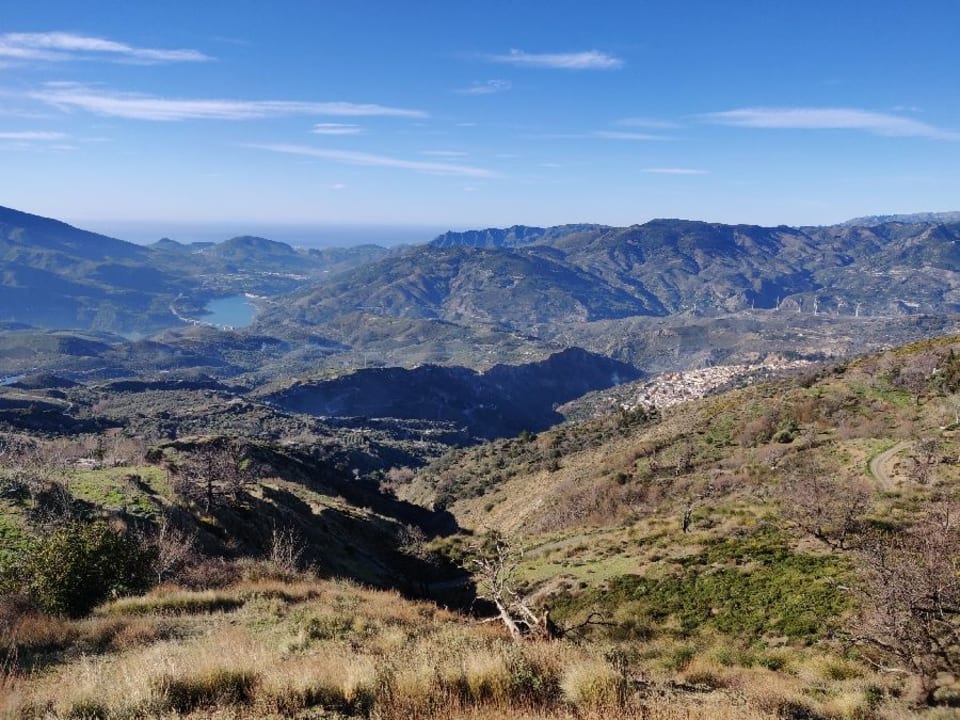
column 599, row 134
column 60, row 46
column 371, row 160
column 336, row 129
column 675, row 171
column 587, row 60
column 830, row 119
column 149, row 107
column 650, row 123
column 621, row 135
column 32, row 136
column 338, row 186
column 487, row 88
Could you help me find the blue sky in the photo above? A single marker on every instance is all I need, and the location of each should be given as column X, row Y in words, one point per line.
column 473, row 114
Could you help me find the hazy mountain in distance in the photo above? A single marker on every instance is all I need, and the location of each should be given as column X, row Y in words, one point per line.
column 512, row 237
column 910, row 218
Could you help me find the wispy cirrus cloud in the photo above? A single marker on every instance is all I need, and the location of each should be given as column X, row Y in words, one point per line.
column 651, row 123
column 586, row 60
column 62, row 46
column 674, row 171
column 490, row 87
column 134, row 106
column 336, row 129
column 372, row 160
column 601, row 135
column 32, row 136
column 625, row 135
column 811, row 118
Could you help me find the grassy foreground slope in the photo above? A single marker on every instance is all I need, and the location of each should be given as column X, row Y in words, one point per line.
column 332, row 649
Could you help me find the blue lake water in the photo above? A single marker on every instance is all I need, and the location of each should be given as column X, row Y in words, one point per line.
column 235, row 311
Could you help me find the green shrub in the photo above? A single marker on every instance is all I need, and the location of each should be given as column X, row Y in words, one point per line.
column 753, row 585
column 81, row 564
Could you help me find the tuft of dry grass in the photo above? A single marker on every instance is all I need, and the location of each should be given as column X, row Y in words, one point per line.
column 594, row 684
column 176, row 601
column 208, row 687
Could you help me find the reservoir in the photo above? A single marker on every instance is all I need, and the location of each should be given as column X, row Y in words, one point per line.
column 235, row 311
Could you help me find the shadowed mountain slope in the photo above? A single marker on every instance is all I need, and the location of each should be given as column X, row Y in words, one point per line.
column 501, row 402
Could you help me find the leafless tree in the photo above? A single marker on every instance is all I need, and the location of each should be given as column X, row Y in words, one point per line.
column 911, row 597
column 684, row 463
column 953, row 405
column 822, row 505
column 494, row 562
column 217, row 468
column 175, row 547
column 413, row 541
column 39, row 470
column 916, row 377
column 286, row 549
column 714, row 487
column 926, row 456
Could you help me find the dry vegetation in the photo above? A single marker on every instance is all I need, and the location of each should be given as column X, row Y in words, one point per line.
column 332, row 648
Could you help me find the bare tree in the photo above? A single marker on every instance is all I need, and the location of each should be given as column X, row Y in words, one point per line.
column 821, row 505
column 926, row 457
column 953, row 406
column 38, row 470
column 217, row 468
column 174, row 546
column 286, row 549
column 494, row 563
column 911, row 596
column 916, row 377
column 413, row 541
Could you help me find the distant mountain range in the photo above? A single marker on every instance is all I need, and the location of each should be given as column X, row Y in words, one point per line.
column 490, row 296
column 512, row 237
column 522, row 277
column 910, row 219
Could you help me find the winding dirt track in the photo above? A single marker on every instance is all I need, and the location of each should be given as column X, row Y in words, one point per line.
column 880, row 465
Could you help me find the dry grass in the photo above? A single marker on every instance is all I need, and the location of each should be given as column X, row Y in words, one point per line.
column 594, row 684
column 334, row 649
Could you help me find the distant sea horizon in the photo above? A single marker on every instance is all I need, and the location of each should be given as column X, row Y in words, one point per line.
column 299, row 235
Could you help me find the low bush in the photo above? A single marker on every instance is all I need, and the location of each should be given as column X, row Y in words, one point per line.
column 80, row 565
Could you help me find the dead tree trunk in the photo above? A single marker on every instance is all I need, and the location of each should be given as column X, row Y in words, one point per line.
column 494, row 564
